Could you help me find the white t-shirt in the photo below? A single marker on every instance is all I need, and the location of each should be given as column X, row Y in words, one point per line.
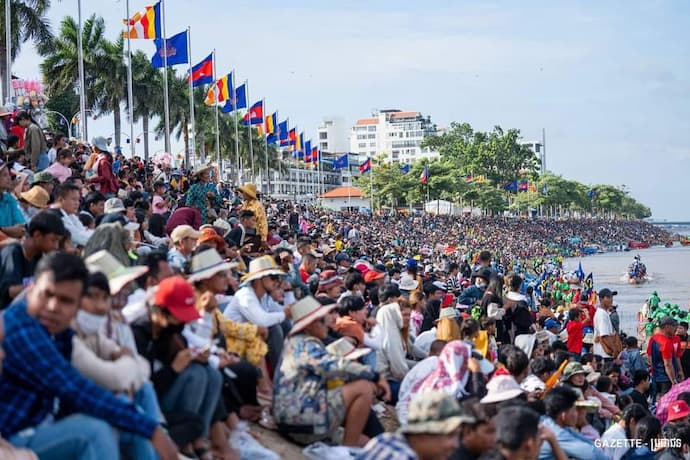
column 602, row 327
column 614, row 450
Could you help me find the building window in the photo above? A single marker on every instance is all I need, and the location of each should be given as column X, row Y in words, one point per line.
column 371, row 136
column 372, row 129
column 362, row 145
column 372, row 144
column 372, row 154
column 323, row 135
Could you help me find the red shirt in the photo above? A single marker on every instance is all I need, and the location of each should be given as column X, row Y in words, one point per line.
column 591, row 310
column 575, row 336
column 303, row 275
column 667, row 346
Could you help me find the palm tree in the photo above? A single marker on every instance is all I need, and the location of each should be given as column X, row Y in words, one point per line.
column 147, row 93
column 111, row 82
column 29, row 23
column 60, row 67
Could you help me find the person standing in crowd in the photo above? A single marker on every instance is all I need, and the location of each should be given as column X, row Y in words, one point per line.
column 202, row 195
column 59, row 143
column 18, row 260
column 605, row 338
column 666, row 368
column 37, row 370
column 103, row 177
column 35, row 144
column 250, row 202
column 159, row 205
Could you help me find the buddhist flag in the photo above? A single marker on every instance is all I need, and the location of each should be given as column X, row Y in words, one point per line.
column 220, row 91
column 271, row 122
column 146, row 25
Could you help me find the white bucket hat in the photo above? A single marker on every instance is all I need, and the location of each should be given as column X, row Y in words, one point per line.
column 343, row 348
column 118, row 275
column 407, row 283
column 501, row 388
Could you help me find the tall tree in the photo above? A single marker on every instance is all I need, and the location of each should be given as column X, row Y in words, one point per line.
column 110, row 83
column 60, row 68
column 147, row 93
column 28, row 23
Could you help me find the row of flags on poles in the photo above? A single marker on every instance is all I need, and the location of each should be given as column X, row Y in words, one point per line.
column 222, row 91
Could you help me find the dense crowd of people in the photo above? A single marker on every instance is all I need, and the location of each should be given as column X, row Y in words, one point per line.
column 149, row 312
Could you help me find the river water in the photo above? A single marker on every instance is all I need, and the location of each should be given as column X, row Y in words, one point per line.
column 668, row 269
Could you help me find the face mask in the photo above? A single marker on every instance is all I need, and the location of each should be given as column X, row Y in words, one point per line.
column 481, row 285
column 89, row 323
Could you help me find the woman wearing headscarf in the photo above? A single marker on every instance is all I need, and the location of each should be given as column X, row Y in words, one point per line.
column 457, row 373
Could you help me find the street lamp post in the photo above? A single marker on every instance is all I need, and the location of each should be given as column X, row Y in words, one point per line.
column 64, row 118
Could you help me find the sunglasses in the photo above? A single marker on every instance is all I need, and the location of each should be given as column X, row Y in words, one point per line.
column 274, row 277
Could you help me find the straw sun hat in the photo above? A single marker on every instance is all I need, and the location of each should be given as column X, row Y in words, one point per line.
column 261, row 267
column 206, row 264
column 36, row 196
column 306, row 311
column 248, row 189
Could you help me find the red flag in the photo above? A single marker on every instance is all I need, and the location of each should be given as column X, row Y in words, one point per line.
column 424, row 178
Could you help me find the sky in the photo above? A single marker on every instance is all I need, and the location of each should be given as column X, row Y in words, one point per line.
column 608, row 81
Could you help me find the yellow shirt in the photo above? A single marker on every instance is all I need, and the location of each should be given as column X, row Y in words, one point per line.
column 260, row 213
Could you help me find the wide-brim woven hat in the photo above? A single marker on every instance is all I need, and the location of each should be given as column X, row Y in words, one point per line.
column 248, row 189
column 118, row 275
column 306, row 311
column 206, row 264
column 261, row 267
column 36, row 196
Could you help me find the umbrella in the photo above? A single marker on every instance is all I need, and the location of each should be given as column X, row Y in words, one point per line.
column 668, row 398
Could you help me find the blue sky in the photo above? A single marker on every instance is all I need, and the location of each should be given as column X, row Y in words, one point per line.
column 609, row 81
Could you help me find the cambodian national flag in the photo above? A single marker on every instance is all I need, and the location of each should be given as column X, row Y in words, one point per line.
column 255, row 115
column 202, row 73
column 365, row 167
column 424, row 178
column 523, row 186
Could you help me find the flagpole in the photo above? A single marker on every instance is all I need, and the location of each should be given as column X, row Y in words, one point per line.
column 130, row 95
column 192, row 134
column 237, row 138
column 215, row 79
column 7, row 84
column 165, row 80
column 249, row 130
column 371, row 186
column 263, row 121
column 82, row 91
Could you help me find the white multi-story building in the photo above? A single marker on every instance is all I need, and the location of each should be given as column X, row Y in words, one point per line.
column 396, row 133
column 302, row 184
column 333, row 135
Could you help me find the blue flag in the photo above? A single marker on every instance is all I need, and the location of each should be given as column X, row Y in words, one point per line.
column 342, row 162
column 591, row 193
column 511, row 186
column 580, row 272
column 283, row 133
column 405, row 169
column 589, row 285
column 175, row 48
column 237, row 102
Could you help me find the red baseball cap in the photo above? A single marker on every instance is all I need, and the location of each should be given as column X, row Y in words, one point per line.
column 677, row 410
column 176, row 295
